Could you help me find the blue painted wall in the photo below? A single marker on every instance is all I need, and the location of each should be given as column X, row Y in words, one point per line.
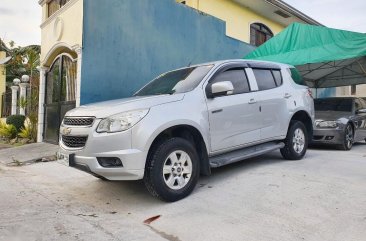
column 127, row 43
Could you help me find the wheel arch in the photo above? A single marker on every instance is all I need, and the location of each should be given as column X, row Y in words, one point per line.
column 190, row 133
column 305, row 118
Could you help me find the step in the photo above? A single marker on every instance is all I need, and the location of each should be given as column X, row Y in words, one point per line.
column 245, row 153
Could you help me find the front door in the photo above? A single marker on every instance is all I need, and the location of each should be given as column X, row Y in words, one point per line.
column 60, row 95
column 234, row 119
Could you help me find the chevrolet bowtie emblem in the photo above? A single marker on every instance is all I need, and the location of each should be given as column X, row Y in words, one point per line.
column 66, row 131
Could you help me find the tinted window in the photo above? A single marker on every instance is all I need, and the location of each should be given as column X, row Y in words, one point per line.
column 296, row 76
column 278, row 77
column 178, row 81
column 265, row 79
column 343, row 105
column 237, row 77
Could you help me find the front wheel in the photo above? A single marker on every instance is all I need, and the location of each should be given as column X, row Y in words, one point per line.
column 296, row 142
column 348, row 138
column 172, row 170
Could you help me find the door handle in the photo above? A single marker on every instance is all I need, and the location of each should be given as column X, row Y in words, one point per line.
column 287, row 95
column 252, row 101
column 217, row 111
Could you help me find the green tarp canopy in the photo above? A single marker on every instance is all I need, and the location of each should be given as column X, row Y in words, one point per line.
column 325, row 57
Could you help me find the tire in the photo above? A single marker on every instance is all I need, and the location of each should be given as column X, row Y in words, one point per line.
column 172, row 170
column 296, row 142
column 348, row 138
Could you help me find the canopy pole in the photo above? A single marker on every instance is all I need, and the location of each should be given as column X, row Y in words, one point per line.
column 316, row 93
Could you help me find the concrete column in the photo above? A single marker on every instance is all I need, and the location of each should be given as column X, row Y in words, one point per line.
column 14, row 99
column 79, row 51
column 42, row 91
column 23, row 95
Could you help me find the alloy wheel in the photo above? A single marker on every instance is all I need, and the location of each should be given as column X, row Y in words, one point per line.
column 298, row 140
column 349, row 136
column 177, row 170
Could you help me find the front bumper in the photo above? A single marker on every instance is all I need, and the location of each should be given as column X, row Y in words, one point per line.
column 115, row 145
column 328, row 136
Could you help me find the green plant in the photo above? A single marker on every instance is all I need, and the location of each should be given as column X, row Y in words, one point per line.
column 27, row 131
column 7, row 131
column 17, row 121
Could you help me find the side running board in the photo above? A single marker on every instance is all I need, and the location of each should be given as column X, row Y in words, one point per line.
column 245, row 153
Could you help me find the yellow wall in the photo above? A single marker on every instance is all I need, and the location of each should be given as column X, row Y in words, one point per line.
column 72, row 18
column 237, row 17
column 2, row 78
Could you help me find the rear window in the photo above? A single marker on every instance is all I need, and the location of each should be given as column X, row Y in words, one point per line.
column 278, row 77
column 296, row 76
column 342, row 105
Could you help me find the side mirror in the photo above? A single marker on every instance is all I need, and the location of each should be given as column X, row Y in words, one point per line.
column 361, row 111
column 222, row 88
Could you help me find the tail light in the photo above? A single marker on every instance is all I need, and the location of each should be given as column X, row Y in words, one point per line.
column 310, row 93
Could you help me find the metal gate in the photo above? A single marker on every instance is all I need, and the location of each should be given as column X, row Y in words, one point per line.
column 6, row 103
column 60, row 95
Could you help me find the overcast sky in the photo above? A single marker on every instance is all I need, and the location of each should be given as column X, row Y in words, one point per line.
column 20, row 19
column 349, row 15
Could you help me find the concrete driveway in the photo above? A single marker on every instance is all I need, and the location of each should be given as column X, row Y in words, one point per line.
column 322, row 197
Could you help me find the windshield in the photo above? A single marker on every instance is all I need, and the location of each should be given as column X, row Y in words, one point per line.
column 343, row 105
column 177, row 81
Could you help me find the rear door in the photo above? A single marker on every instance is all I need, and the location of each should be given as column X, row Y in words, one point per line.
column 273, row 102
column 234, row 119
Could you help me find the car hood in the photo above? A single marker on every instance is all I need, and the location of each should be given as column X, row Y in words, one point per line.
column 112, row 107
column 331, row 115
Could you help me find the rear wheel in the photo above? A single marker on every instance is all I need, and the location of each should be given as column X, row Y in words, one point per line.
column 348, row 138
column 296, row 142
column 172, row 170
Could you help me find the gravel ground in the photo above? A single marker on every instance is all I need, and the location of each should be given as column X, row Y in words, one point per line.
column 322, row 197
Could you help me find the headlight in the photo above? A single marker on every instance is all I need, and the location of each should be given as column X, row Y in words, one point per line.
column 327, row 124
column 122, row 121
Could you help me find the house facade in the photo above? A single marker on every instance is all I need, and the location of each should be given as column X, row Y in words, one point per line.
column 3, row 60
column 250, row 21
column 95, row 51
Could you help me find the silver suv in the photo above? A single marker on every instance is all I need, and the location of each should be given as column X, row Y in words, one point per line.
column 187, row 121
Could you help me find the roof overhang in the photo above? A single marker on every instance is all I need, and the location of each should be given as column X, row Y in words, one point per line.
column 278, row 11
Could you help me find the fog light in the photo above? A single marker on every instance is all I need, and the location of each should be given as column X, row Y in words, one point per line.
column 109, row 162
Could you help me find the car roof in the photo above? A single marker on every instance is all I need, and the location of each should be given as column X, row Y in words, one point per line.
column 246, row 61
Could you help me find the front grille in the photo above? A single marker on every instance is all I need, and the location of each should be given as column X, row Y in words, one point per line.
column 78, row 121
column 74, row 141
